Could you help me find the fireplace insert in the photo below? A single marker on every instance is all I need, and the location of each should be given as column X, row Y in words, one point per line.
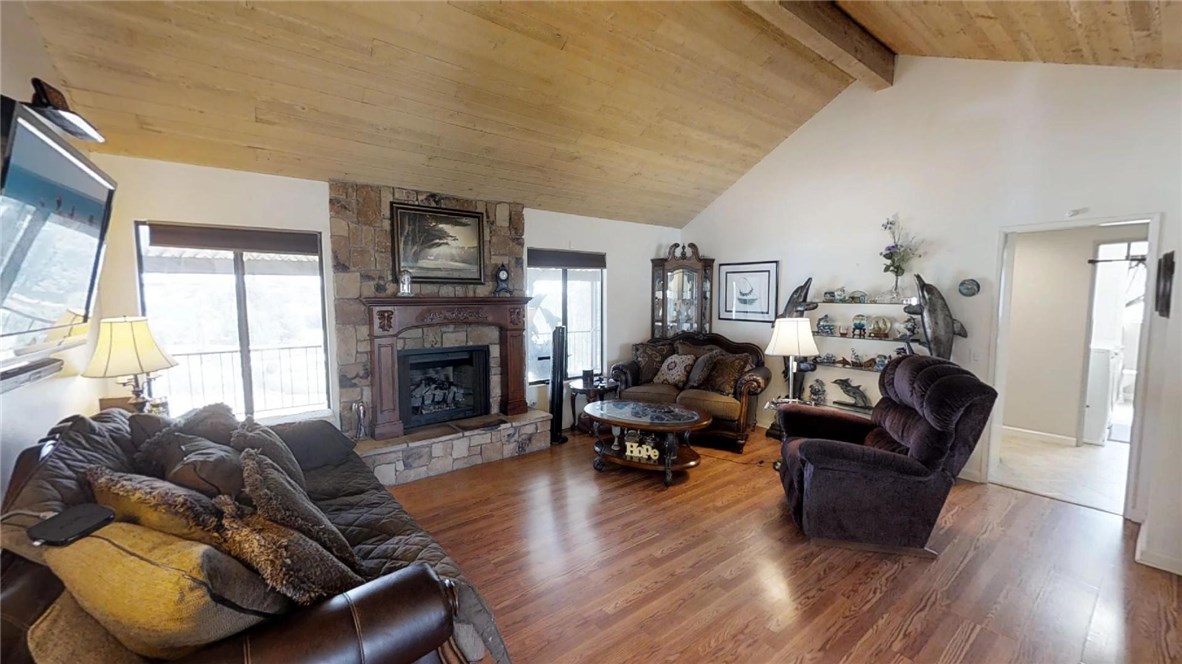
column 438, row 385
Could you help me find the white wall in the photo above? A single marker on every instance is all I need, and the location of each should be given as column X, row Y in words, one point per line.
column 627, row 294
column 152, row 190
column 1048, row 325
column 27, row 413
column 960, row 149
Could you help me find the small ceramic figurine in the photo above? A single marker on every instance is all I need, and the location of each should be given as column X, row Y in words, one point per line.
column 880, row 362
column 858, row 398
column 827, row 358
column 855, row 357
column 825, row 326
column 880, row 327
column 839, row 295
column 844, row 330
column 857, row 297
column 817, row 392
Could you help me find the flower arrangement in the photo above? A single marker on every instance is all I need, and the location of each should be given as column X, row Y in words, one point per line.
column 901, row 251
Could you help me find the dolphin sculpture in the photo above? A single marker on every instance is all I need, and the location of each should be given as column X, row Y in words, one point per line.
column 939, row 327
column 798, row 301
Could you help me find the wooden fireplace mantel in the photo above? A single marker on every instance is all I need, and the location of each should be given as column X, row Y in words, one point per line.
column 390, row 316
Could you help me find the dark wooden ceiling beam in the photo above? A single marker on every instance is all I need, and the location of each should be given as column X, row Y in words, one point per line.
column 832, row 34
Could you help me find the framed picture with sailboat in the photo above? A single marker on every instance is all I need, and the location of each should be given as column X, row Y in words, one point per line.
column 748, row 291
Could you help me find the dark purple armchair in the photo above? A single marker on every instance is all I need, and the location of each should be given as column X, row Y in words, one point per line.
column 882, row 482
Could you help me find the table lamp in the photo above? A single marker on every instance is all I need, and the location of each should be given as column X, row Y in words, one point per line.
column 790, row 337
column 126, row 349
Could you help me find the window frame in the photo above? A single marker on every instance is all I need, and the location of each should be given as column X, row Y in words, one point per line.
column 241, row 308
column 565, row 316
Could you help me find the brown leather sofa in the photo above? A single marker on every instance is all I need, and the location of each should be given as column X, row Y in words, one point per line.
column 414, row 609
column 733, row 416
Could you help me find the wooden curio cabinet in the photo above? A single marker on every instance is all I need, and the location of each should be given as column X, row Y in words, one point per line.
column 682, row 290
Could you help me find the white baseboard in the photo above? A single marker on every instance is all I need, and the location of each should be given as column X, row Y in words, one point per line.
column 1166, row 562
column 1041, row 436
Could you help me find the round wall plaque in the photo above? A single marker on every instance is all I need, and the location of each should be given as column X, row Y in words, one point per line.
column 969, row 287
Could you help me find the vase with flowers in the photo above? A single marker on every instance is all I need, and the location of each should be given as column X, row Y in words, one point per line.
column 899, row 254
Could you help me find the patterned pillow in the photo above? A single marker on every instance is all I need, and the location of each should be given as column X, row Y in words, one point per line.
column 725, row 373
column 702, row 367
column 676, row 370
column 697, row 350
column 650, row 357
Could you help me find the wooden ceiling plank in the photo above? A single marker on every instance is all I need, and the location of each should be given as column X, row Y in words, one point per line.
column 834, row 36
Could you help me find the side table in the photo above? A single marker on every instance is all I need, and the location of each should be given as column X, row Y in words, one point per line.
column 596, row 392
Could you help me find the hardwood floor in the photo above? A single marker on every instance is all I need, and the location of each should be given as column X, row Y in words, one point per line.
column 581, row 566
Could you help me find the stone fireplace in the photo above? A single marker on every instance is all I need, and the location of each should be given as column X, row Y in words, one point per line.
column 379, row 336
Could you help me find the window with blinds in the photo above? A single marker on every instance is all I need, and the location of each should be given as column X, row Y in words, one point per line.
column 242, row 311
column 567, row 289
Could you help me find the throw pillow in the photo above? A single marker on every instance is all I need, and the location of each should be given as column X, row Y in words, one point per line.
column 252, row 434
column 287, row 560
column 160, row 595
column 156, row 504
column 279, row 499
column 214, row 422
column 315, row 443
column 193, row 462
column 725, row 373
column 702, row 368
column 88, row 640
column 649, row 357
column 145, row 425
column 697, row 350
column 675, row 370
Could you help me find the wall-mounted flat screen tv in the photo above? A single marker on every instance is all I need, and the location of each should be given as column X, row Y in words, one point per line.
column 54, row 209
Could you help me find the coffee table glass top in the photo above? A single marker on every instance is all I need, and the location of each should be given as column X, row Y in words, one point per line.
column 641, row 414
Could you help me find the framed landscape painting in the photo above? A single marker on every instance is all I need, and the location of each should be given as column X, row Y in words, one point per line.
column 748, row 291
column 437, row 244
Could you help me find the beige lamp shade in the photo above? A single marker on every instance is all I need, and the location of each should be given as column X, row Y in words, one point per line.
column 126, row 347
column 792, row 336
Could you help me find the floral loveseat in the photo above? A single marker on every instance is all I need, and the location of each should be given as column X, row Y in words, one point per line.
column 728, row 388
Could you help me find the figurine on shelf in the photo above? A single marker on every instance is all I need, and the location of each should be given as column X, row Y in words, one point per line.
column 880, row 362
column 869, row 363
column 860, row 322
column 825, row 326
column 855, row 357
column 880, row 327
column 857, row 297
column 842, row 362
column 843, row 330
column 827, row 358
column 817, row 392
column 858, row 398
column 903, row 351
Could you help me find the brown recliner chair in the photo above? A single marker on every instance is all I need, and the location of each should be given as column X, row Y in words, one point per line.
column 882, row 482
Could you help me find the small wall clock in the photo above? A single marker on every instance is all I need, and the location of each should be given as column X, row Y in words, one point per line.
column 502, row 275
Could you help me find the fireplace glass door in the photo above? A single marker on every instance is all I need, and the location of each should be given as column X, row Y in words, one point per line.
column 438, row 385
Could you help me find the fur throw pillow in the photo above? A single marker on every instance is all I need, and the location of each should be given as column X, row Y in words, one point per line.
column 252, row 434
column 676, row 370
column 279, row 499
column 649, row 357
column 287, row 560
column 156, row 504
column 214, row 422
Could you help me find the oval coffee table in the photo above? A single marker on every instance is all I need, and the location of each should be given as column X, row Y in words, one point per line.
column 666, row 421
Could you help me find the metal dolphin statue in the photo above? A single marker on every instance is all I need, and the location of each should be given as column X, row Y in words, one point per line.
column 798, row 301
column 939, row 327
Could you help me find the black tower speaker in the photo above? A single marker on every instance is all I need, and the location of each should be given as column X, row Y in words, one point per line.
column 557, row 383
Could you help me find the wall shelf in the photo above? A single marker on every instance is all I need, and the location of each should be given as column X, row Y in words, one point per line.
column 818, row 335
column 850, row 368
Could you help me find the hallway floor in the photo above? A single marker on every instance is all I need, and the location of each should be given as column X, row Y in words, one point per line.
column 1089, row 475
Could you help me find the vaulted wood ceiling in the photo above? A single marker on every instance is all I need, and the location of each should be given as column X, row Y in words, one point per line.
column 1082, row 32
column 639, row 111
column 636, row 111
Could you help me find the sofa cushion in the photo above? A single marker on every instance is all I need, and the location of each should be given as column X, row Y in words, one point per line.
column 214, row 422
column 288, row 561
column 675, row 371
column 88, row 640
column 58, row 479
column 252, row 434
column 314, row 443
column 145, row 425
column 160, row 595
column 724, row 375
column 651, row 392
column 719, row 407
column 193, row 462
column 156, row 504
column 649, row 357
column 879, row 439
column 279, row 499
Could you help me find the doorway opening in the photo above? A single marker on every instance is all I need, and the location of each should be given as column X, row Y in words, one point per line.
column 1073, row 333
